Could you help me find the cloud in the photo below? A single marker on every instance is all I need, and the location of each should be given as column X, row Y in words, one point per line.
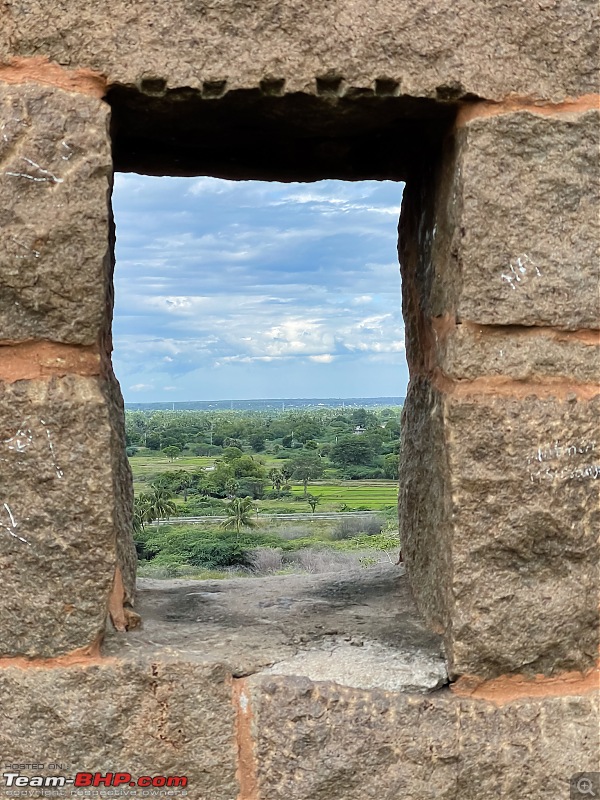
column 140, row 387
column 256, row 276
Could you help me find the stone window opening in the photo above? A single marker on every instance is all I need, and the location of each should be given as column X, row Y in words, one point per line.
column 250, row 135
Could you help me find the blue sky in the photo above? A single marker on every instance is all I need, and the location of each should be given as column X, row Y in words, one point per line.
column 247, row 289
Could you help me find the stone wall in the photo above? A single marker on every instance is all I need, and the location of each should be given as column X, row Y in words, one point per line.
column 491, row 115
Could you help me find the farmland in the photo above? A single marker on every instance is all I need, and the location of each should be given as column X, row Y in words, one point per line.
column 278, row 474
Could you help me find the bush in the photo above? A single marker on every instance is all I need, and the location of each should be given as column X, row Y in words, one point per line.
column 276, row 494
column 314, row 560
column 349, row 527
column 352, row 473
column 201, row 547
column 266, row 560
column 198, row 506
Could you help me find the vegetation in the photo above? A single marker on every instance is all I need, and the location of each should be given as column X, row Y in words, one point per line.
column 251, row 468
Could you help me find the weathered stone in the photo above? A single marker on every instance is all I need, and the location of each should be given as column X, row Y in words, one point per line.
column 359, row 627
column 515, row 239
column 505, row 559
column 470, row 351
column 146, row 716
column 122, row 491
column 319, row 741
column 54, row 215
column 453, row 49
column 57, row 515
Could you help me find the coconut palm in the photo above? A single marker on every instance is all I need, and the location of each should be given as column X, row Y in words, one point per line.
column 141, row 507
column 276, row 478
column 239, row 513
column 160, row 504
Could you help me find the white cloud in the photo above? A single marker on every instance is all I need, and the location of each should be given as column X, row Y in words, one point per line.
column 140, row 387
column 325, row 358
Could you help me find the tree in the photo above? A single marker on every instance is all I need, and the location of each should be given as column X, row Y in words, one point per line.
column 305, row 467
column 239, row 513
column 231, row 487
column 390, row 466
column 171, row 452
column 232, row 453
column 141, row 507
column 352, row 450
column 313, row 501
column 159, row 504
column 257, row 442
column 276, row 478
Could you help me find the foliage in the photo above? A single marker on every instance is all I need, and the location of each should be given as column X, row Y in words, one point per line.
column 352, row 450
column 312, row 501
column 208, row 548
column 239, row 514
column 306, row 466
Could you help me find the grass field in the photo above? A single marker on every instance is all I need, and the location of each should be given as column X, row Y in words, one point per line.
column 333, row 495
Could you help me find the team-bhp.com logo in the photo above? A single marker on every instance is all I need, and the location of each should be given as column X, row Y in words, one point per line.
column 95, row 779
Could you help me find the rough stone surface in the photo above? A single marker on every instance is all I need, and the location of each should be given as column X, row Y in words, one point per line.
column 57, row 530
column 122, row 489
column 358, row 627
column 527, row 354
column 55, row 167
column 318, row 741
column 147, row 716
column 520, row 242
column 515, row 527
column 445, row 50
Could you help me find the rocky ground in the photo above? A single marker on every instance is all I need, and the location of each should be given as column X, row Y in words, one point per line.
column 359, row 628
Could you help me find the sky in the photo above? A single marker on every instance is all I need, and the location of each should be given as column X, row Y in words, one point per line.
column 246, row 289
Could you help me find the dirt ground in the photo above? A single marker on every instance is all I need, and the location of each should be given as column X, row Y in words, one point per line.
column 357, row 628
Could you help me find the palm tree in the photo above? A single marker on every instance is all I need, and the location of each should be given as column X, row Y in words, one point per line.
column 239, row 515
column 161, row 505
column 276, row 478
column 141, row 507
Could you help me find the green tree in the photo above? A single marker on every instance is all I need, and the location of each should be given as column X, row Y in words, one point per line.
column 390, row 466
column 141, row 507
column 313, row 501
column 276, row 478
column 257, row 442
column 239, row 514
column 231, row 487
column 159, row 504
column 232, row 453
column 171, row 452
column 352, row 450
column 305, row 467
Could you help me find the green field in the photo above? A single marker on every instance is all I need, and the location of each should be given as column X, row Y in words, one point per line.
column 333, row 495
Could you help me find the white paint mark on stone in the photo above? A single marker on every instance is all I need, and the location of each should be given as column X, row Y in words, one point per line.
column 560, row 453
column 244, row 702
column 58, row 470
column 45, row 177
column 519, row 269
column 24, row 438
column 69, row 150
column 12, row 525
column 21, row 440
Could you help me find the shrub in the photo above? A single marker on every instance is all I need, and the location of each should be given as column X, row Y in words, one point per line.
column 348, row 527
column 266, row 560
column 314, row 560
column 202, row 547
